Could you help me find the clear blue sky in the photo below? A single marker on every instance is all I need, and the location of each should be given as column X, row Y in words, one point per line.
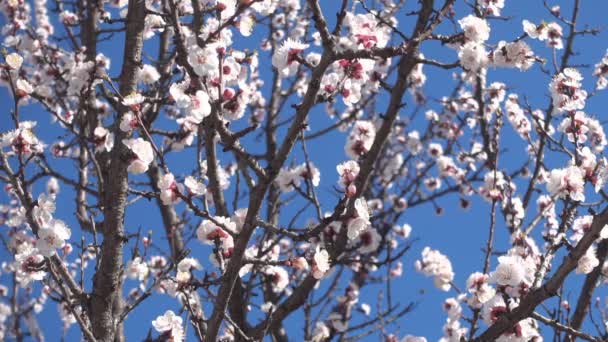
column 458, row 234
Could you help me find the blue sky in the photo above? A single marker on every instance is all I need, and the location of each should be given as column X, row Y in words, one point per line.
column 459, row 234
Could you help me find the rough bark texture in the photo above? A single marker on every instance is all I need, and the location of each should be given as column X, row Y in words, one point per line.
column 107, row 281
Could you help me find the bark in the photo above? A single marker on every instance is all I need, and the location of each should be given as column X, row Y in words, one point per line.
column 107, row 281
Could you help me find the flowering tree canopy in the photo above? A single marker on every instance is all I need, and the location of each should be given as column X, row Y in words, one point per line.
column 176, row 149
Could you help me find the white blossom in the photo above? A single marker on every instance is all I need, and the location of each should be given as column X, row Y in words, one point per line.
column 133, row 100
column 137, row 269
column 285, row 58
column 321, row 263
column 169, row 324
column 144, row 155
column 567, row 182
column 148, row 74
column 194, row 186
column 475, row 29
column 14, row 61
column 184, row 268
column 435, row 264
column 587, row 262
column 509, row 272
column 52, row 236
column 104, row 140
column 566, row 90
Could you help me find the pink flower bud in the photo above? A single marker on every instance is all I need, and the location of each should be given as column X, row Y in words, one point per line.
column 351, row 191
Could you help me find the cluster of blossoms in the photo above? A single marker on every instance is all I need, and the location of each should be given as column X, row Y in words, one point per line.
column 472, row 54
column 218, row 232
column 492, row 7
column 103, row 139
column 30, row 252
column 514, row 274
column 496, row 93
column 321, row 263
column 82, row 73
column 215, row 83
column 474, row 57
column 479, row 290
column 170, row 326
column 348, row 172
column 196, row 105
column 550, row 32
column 589, row 261
column 567, row 182
column 513, row 55
column 566, row 91
column 524, row 330
column 366, row 31
column 360, row 139
column 513, row 209
column 513, row 277
column 231, row 76
column 517, row 117
column 143, row 155
column 355, row 79
column 437, row 265
column 579, row 128
column 22, row 140
column 52, row 233
column 288, row 178
column 171, row 191
column 316, row 262
column 494, row 186
column 546, row 209
column 137, row 269
column 361, row 222
column 352, row 79
column 452, row 330
column 287, row 57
